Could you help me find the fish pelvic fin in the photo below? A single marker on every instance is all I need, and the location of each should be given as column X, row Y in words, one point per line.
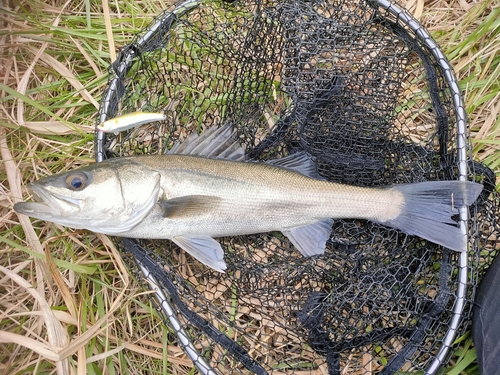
column 310, row 239
column 205, row 249
column 428, row 209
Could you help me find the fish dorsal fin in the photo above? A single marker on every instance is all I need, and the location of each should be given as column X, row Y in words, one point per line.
column 310, row 239
column 215, row 143
column 188, row 206
column 205, row 249
column 300, row 162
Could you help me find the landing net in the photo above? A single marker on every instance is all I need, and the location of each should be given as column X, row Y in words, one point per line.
column 362, row 87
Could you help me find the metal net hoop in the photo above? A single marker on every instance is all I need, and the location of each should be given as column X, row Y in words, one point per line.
column 284, row 67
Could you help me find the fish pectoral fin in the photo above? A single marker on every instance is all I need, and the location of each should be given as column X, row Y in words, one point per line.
column 205, row 249
column 188, row 206
column 310, row 239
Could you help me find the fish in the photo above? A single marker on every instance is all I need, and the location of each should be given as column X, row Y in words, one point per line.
column 129, row 121
column 204, row 188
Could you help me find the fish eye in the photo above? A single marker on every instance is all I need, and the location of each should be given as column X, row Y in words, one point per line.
column 76, row 181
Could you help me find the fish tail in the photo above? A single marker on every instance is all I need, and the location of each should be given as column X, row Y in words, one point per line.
column 428, row 209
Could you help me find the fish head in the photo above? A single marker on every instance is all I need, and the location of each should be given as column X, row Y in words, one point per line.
column 108, row 197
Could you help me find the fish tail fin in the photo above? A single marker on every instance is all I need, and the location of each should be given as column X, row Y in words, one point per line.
column 428, row 209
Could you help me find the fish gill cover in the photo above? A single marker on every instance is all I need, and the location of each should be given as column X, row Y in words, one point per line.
column 361, row 87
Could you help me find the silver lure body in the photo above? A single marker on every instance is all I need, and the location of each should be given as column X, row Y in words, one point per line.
column 129, row 121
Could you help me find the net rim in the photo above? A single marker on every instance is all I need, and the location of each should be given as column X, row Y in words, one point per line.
column 462, row 146
column 112, row 95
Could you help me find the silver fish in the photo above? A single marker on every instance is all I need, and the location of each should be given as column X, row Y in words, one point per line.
column 129, row 121
column 204, row 189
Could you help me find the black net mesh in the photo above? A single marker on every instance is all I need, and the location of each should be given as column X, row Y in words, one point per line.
column 361, row 87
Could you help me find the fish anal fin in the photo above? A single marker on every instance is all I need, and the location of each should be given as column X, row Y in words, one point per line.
column 310, row 239
column 205, row 249
column 188, row 206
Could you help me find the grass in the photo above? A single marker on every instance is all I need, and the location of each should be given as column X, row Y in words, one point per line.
column 470, row 38
column 68, row 304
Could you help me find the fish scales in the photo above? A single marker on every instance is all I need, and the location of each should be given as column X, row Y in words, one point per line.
column 256, row 197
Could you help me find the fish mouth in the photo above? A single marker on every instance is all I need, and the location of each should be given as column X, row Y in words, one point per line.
column 46, row 204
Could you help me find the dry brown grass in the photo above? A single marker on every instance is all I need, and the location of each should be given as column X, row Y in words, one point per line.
column 67, row 302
